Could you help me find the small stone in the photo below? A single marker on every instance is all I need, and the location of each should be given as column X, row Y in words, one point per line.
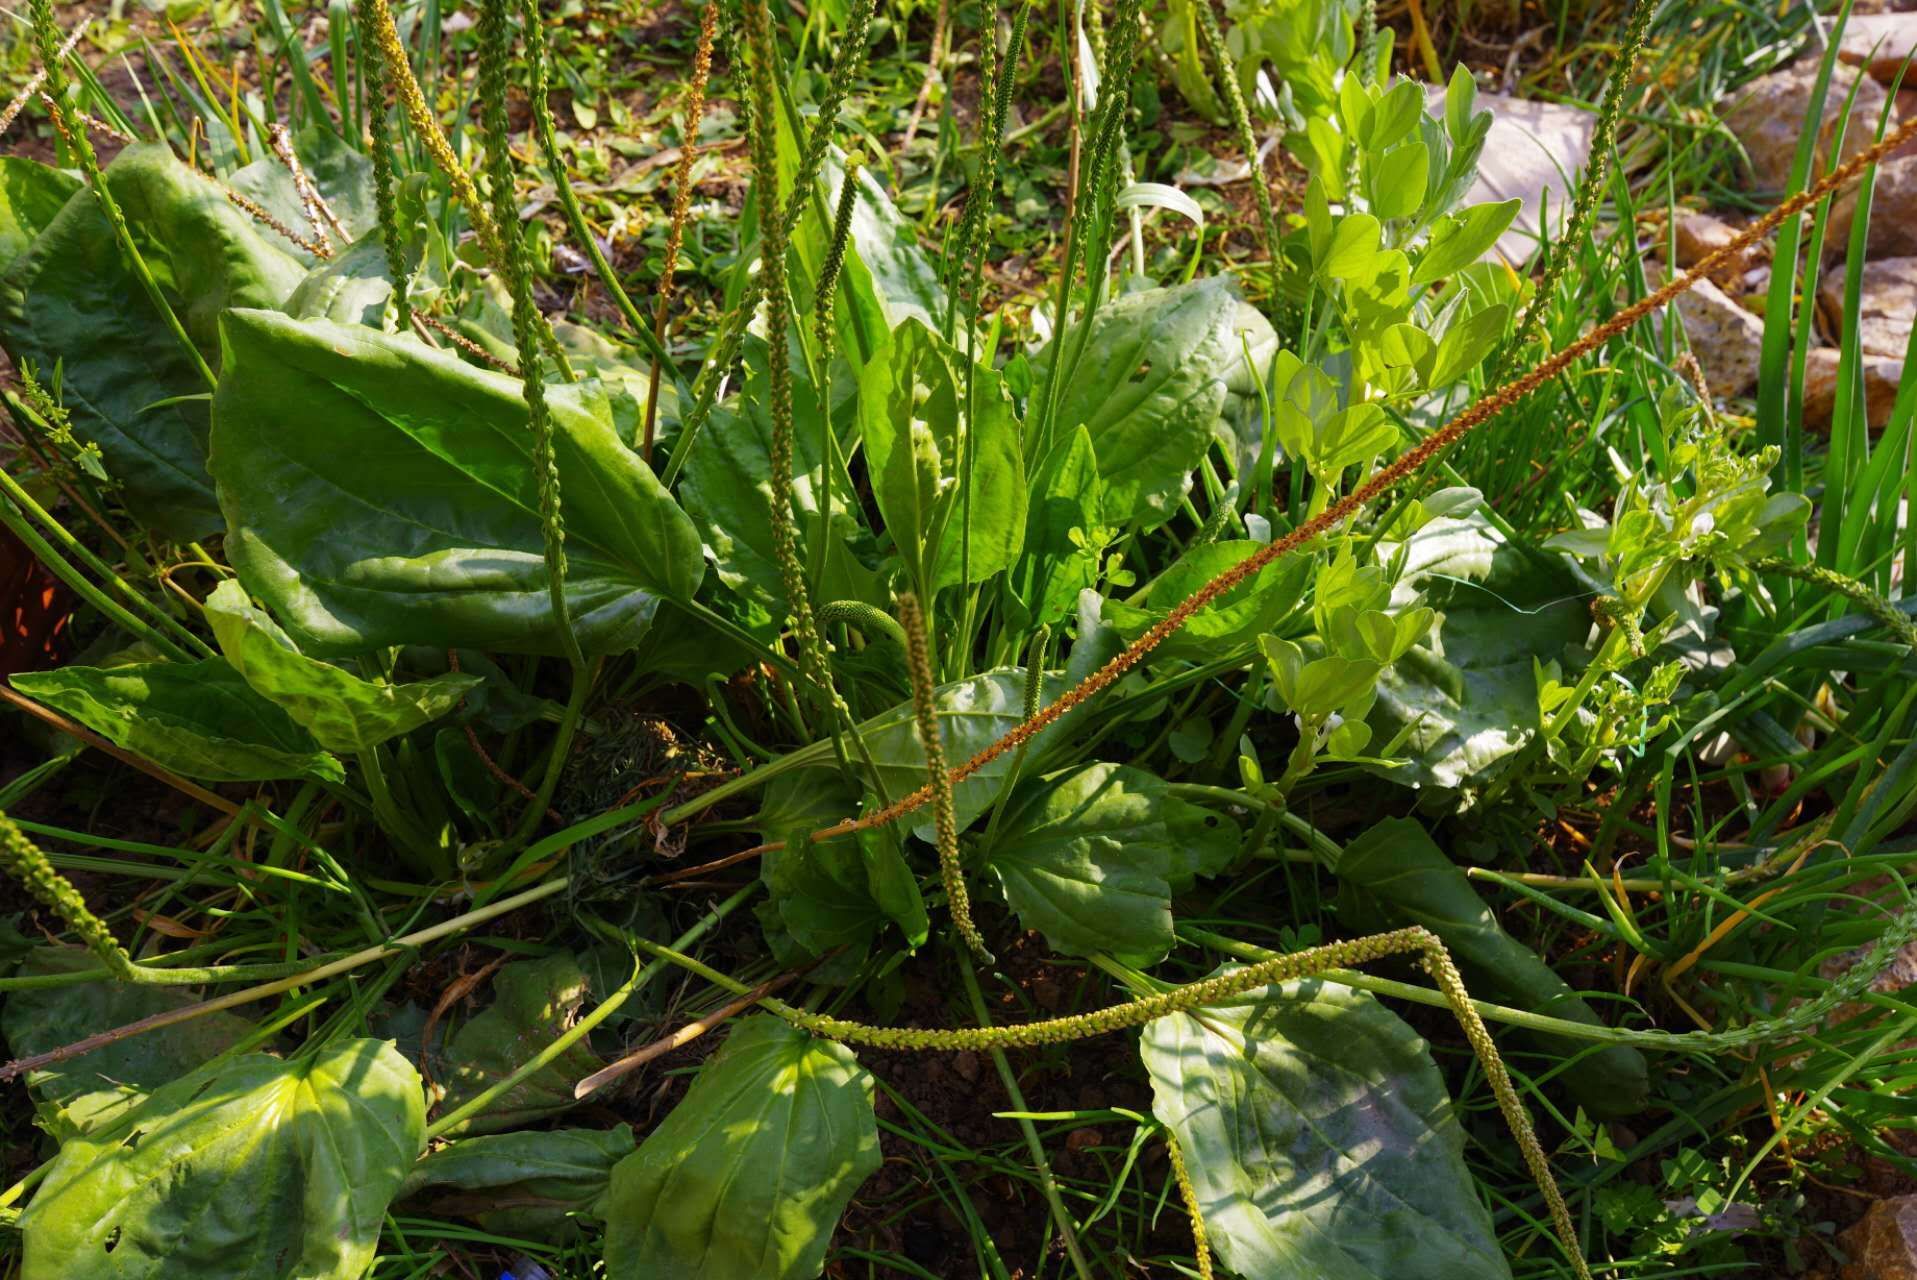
column 1887, row 302
column 1882, row 374
column 1879, row 41
column 1769, row 119
column 1727, row 340
column 1893, row 213
column 1698, row 235
column 1083, row 1139
column 966, row 1064
column 1883, row 1243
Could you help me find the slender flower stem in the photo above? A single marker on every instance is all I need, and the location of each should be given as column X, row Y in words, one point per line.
column 681, row 206
column 47, row 34
column 494, row 35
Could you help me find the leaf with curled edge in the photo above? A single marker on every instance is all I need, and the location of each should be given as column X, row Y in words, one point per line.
column 343, row 712
column 747, row 1177
column 195, row 718
column 526, row 1184
column 255, row 1168
column 1320, row 1139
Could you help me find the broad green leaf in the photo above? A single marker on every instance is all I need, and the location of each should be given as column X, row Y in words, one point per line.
column 72, row 297
column 834, row 893
column 973, row 714
column 378, row 493
column 885, row 263
column 1237, row 617
column 1062, row 524
column 85, row 1093
column 727, row 490
column 1467, row 690
column 341, row 175
column 525, row 1184
column 909, row 405
column 747, row 1177
column 997, row 491
column 31, row 195
column 1091, row 855
column 1320, row 1139
column 1396, row 864
column 252, row 1169
column 343, row 712
column 533, row 1002
column 1459, row 239
column 1157, row 374
column 196, row 718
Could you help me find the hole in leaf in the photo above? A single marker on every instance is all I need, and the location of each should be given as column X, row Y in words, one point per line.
column 113, row 1239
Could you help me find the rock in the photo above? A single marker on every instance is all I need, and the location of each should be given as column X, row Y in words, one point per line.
column 1883, row 1243
column 1893, row 213
column 1887, row 304
column 1726, row 338
column 1879, row 41
column 1882, row 374
column 1698, row 235
column 1769, row 118
column 1534, row 151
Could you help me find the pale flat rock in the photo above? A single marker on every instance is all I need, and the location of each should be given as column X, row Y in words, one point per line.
column 1883, row 1243
column 1535, row 151
column 1769, row 117
column 1880, row 41
column 1893, row 213
column 1887, row 304
column 1882, row 375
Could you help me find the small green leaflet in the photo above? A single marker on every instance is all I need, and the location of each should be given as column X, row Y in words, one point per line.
column 1320, row 1139
column 195, row 718
column 250, row 1169
column 1090, row 857
column 343, row 712
column 747, row 1177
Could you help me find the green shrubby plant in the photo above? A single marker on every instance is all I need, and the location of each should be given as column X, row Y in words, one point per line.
column 1207, row 505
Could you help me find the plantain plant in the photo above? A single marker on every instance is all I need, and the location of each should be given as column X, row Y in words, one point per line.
column 992, row 630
